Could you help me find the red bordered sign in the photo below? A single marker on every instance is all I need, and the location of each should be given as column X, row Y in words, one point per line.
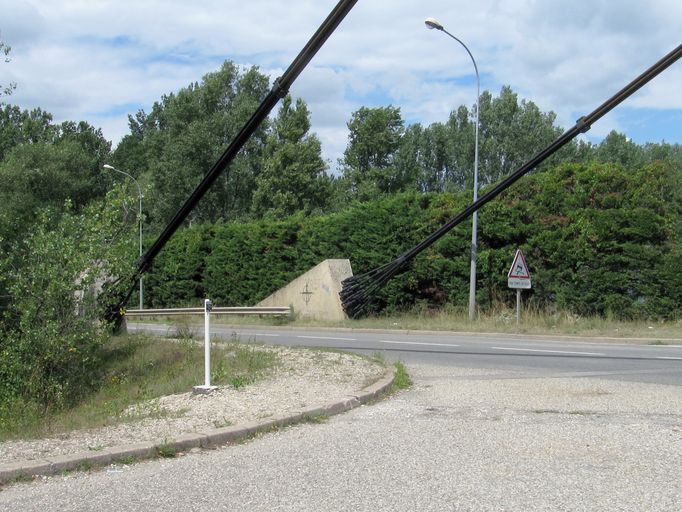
column 518, row 275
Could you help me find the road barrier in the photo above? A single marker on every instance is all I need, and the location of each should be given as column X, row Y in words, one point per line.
column 208, row 310
column 260, row 311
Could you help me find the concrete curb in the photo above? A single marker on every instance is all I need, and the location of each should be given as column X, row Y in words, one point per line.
column 211, row 438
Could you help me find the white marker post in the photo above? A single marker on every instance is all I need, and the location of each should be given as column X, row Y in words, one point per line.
column 518, row 277
column 207, row 388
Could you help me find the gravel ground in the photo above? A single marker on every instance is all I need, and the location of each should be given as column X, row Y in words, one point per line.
column 304, row 378
column 459, row 440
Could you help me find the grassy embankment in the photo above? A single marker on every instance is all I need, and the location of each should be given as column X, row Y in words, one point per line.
column 140, row 368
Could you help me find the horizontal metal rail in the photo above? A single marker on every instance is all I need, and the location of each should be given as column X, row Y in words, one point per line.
column 258, row 310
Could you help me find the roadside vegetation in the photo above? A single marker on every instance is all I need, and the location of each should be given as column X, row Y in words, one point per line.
column 136, row 369
column 402, row 379
column 502, row 319
column 499, row 319
column 600, row 224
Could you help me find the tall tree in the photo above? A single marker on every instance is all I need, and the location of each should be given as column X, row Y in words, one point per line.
column 5, row 49
column 447, row 154
column 24, row 127
column 616, row 148
column 184, row 135
column 44, row 165
column 511, row 132
column 441, row 156
column 368, row 164
column 293, row 177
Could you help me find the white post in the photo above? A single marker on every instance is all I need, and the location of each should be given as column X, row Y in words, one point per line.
column 206, row 388
column 518, row 306
column 207, row 343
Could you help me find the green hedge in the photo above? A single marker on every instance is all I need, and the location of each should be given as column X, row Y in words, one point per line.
column 598, row 240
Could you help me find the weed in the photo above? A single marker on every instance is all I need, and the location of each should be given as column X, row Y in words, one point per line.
column 184, row 329
column 239, row 381
column 85, row 465
column 319, row 418
column 129, row 460
column 20, row 478
column 166, row 450
column 402, row 379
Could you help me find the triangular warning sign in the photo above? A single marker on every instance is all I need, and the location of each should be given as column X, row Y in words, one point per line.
column 519, row 268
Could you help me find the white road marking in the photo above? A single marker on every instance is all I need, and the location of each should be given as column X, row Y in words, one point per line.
column 326, row 338
column 670, row 358
column 418, row 343
column 259, row 334
column 549, row 351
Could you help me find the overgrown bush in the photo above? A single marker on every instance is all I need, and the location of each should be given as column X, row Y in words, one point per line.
column 50, row 338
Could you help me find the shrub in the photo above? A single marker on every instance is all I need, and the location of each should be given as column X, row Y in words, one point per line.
column 599, row 239
column 50, row 338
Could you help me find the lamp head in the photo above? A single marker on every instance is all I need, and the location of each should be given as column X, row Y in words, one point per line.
column 432, row 23
column 107, row 166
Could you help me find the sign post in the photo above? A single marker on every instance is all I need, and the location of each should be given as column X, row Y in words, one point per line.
column 518, row 277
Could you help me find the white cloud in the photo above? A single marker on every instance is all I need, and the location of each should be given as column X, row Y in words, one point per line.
column 90, row 60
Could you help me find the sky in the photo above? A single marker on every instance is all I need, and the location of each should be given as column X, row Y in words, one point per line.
column 101, row 60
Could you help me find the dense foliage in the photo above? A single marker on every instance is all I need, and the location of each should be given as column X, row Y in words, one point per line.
column 50, row 337
column 599, row 239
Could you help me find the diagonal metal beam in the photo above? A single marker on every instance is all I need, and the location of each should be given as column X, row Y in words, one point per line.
column 279, row 89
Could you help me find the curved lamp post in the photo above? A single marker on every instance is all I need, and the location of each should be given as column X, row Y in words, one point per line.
column 431, row 23
column 139, row 192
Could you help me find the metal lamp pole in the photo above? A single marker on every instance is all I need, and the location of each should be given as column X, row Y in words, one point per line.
column 139, row 192
column 431, row 23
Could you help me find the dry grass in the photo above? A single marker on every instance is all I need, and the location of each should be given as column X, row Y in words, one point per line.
column 139, row 368
column 500, row 319
column 503, row 320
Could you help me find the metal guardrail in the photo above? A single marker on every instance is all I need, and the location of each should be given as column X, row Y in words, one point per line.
column 258, row 310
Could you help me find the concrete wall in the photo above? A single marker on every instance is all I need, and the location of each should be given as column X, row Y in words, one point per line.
column 315, row 294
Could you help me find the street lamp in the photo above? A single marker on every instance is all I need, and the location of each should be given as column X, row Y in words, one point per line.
column 431, row 24
column 139, row 192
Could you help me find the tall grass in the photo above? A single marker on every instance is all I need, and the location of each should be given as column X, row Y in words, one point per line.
column 498, row 319
column 502, row 319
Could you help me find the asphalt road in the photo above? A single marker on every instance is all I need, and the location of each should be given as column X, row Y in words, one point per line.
column 458, row 440
column 544, row 356
column 492, row 423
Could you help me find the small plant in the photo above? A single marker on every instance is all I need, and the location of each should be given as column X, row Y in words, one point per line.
column 402, row 379
column 166, row 450
column 319, row 418
column 84, row 466
column 129, row 460
column 184, row 329
column 239, row 381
